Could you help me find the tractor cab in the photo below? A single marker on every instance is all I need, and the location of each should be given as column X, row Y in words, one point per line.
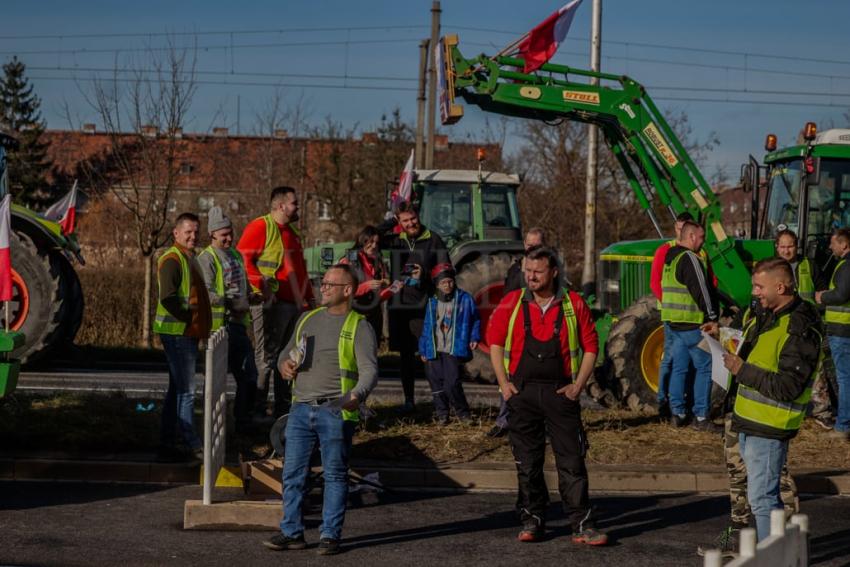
column 807, row 191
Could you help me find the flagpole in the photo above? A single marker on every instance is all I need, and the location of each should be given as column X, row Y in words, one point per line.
column 7, row 315
column 508, row 49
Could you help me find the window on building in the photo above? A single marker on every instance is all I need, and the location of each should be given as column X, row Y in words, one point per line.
column 205, row 203
column 323, row 211
column 186, row 168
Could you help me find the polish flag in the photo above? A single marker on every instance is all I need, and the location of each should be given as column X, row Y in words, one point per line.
column 5, row 258
column 64, row 211
column 541, row 43
column 405, row 184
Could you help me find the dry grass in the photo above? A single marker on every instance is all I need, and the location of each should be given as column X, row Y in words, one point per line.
column 113, row 307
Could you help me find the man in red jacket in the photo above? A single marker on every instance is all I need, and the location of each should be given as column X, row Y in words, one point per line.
column 537, row 336
column 274, row 261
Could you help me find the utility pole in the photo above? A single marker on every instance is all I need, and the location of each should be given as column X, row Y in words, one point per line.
column 419, row 152
column 432, row 84
column 588, row 273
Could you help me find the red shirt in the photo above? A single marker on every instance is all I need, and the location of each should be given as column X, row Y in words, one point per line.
column 657, row 270
column 542, row 326
column 293, row 283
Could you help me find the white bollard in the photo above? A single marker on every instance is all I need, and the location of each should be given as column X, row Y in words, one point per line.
column 777, row 522
column 802, row 520
column 712, row 558
column 747, row 544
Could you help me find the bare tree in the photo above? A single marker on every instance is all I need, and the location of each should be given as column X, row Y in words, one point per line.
column 143, row 109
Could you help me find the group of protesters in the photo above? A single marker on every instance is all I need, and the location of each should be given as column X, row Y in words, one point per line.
column 319, row 351
column 794, row 344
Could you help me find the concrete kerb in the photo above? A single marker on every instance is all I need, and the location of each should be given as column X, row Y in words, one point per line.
column 459, row 476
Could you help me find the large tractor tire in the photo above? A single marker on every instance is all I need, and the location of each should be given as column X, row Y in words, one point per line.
column 634, row 349
column 484, row 279
column 37, row 303
column 73, row 303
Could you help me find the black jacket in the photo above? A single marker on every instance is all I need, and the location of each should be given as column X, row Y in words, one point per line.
column 514, row 279
column 797, row 362
column 427, row 250
column 838, row 296
column 690, row 272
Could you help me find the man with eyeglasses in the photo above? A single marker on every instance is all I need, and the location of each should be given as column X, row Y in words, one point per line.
column 332, row 361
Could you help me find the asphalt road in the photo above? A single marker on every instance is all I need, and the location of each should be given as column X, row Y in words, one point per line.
column 111, row 524
column 152, row 384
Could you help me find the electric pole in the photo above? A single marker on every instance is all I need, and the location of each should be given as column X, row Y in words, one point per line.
column 419, row 152
column 588, row 274
column 432, row 84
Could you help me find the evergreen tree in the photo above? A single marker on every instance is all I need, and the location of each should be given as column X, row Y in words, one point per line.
column 20, row 117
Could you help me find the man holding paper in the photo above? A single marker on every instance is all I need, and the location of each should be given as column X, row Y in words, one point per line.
column 333, row 363
column 773, row 373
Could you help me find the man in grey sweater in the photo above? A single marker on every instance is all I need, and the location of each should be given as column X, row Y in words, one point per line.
column 332, row 359
column 227, row 285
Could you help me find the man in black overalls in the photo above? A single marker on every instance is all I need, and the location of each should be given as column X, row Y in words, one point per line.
column 536, row 338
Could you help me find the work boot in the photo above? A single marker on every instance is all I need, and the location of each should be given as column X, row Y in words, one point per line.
column 406, row 408
column 328, row 546
column 664, row 412
column 497, row 431
column 442, row 419
column 532, row 529
column 280, row 542
column 679, row 420
column 726, row 542
column 825, row 421
column 590, row 536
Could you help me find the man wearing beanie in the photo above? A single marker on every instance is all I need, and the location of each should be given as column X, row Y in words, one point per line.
column 450, row 333
column 227, row 285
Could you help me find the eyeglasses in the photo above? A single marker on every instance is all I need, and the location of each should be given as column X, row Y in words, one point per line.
column 329, row 284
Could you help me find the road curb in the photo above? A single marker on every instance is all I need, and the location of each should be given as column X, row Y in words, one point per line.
column 457, row 476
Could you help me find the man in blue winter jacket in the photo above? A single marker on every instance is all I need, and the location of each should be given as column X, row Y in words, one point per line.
column 450, row 333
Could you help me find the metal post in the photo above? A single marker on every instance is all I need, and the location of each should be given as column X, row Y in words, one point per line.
column 209, row 479
column 588, row 274
column 420, row 104
column 432, row 85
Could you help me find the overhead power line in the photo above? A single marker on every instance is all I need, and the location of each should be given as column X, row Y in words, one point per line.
column 208, row 32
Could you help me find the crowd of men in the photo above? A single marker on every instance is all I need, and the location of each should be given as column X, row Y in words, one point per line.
column 320, row 354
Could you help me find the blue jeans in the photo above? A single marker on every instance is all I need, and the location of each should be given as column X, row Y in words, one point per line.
column 685, row 351
column 179, row 406
column 764, row 459
column 840, row 347
column 306, row 425
column 240, row 362
column 666, row 366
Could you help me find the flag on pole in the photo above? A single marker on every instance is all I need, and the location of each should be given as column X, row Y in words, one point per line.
column 541, row 43
column 64, row 211
column 5, row 253
column 404, row 189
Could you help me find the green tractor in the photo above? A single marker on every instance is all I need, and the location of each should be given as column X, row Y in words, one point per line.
column 47, row 299
column 476, row 214
column 808, row 190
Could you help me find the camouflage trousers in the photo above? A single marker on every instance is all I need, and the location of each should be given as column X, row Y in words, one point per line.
column 737, row 470
column 825, row 387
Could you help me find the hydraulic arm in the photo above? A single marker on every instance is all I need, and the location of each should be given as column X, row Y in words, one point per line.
column 654, row 161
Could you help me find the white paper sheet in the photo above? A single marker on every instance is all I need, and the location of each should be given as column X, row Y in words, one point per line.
column 719, row 373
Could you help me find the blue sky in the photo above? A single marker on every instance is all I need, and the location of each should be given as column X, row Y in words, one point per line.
column 661, row 43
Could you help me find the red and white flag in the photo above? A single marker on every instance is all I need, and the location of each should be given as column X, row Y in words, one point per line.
column 64, row 211
column 5, row 253
column 542, row 42
column 405, row 184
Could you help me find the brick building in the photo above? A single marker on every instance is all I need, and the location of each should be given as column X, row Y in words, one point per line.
column 341, row 182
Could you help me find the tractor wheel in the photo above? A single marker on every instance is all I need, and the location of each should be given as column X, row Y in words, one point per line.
column 484, row 279
column 73, row 302
column 37, row 303
column 634, row 350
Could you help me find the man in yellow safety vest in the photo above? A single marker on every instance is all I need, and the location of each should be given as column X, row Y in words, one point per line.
column 333, row 363
column 182, row 320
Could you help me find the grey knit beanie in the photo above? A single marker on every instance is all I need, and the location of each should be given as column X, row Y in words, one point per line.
column 217, row 220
